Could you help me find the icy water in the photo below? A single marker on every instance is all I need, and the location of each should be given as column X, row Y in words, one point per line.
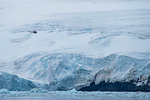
column 76, row 96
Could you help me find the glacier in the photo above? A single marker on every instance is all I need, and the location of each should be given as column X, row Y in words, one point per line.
column 79, row 44
column 67, row 71
column 14, row 83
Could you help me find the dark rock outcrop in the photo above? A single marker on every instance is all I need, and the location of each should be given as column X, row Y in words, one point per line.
column 118, row 86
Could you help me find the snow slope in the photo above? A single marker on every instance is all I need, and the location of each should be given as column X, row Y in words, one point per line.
column 75, row 38
column 57, row 22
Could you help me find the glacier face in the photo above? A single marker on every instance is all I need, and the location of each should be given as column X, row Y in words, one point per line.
column 14, row 83
column 66, row 71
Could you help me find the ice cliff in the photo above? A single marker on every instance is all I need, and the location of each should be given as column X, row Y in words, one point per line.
column 14, row 83
column 66, row 71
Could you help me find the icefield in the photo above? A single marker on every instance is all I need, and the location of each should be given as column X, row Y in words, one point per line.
column 78, row 45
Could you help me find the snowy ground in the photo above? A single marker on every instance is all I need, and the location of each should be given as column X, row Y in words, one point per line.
column 95, row 28
column 73, row 95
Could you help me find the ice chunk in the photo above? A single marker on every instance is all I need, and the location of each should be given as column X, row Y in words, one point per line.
column 4, row 91
column 38, row 90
